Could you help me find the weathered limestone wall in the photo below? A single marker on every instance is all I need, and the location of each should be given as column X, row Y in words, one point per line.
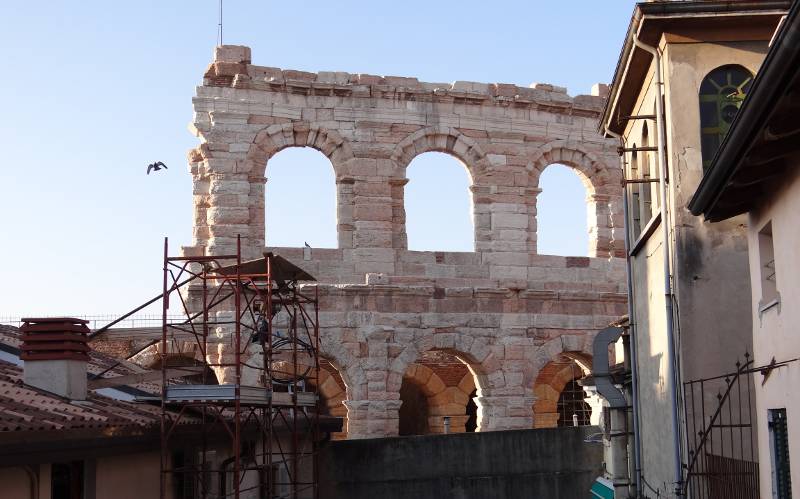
column 503, row 309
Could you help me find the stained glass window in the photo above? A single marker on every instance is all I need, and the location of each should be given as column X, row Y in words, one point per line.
column 721, row 96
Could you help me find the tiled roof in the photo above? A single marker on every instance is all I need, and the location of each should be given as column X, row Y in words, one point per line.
column 24, row 408
column 98, row 362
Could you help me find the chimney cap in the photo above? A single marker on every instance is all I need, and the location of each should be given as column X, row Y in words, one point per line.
column 54, row 338
column 44, row 320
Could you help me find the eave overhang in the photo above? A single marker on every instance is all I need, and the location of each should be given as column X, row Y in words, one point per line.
column 693, row 21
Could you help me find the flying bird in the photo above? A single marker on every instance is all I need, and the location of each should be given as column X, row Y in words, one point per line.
column 156, row 167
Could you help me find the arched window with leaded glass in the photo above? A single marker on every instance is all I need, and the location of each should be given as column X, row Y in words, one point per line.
column 721, row 96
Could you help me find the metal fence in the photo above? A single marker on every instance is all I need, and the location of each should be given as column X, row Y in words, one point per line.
column 98, row 321
column 721, row 435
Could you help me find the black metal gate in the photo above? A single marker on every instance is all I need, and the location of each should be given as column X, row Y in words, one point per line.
column 721, row 436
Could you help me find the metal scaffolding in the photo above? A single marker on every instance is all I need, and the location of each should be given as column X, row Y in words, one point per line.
column 252, row 326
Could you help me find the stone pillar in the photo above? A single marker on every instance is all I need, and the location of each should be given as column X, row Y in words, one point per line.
column 504, row 402
column 599, row 222
column 399, row 234
column 374, row 398
column 504, row 412
column 344, row 211
column 228, row 215
column 530, row 199
column 482, row 216
column 257, row 216
column 372, row 418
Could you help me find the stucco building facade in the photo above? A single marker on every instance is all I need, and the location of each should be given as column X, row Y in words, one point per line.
column 684, row 69
column 757, row 172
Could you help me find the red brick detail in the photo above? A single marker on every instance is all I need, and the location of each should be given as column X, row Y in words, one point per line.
column 445, row 365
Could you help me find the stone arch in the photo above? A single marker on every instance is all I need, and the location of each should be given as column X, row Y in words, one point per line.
column 602, row 185
column 549, row 385
column 437, row 208
column 346, row 364
column 578, row 347
column 435, row 139
column 476, row 353
column 554, row 362
column 334, row 396
column 443, row 400
column 275, row 138
column 441, row 139
column 503, row 401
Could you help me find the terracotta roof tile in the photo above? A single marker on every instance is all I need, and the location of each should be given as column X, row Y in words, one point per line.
column 24, row 408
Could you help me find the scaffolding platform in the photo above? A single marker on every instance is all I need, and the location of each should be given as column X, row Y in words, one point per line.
column 248, row 395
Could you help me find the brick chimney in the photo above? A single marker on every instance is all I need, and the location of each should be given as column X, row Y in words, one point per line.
column 55, row 352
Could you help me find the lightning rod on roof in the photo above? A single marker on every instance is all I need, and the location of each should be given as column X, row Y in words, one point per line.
column 219, row 26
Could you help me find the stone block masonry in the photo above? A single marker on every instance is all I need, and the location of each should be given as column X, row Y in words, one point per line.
column 503, row 310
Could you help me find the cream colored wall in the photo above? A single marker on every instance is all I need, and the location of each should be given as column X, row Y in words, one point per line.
column 707, row 259
column 649, row 320
column 651, row 343
column 775, row 332
column 15, row 482
column 130, row 476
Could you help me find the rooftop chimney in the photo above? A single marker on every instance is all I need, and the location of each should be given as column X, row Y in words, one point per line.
column 55, row 352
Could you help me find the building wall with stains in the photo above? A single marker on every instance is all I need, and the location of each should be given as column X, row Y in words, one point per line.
column 706, row 259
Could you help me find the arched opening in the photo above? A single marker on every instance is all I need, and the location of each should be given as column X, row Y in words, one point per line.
column 561, row 213
column 438, row 204
column 721, row 95
column 448, row 387
column 413, row 412
column 635, row 200
column 560, row 399
column 573, row 410
column 472, row 413
column 333, row 393
column 300, row 199
column 329, row 386
column 646, row 194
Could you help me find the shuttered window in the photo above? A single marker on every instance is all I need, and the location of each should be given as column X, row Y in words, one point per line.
column 779, row 445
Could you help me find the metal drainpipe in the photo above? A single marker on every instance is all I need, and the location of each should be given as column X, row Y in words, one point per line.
column 637, row 442
column 673, row 367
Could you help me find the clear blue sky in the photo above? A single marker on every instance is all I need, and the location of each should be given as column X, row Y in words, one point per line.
column 94, row 91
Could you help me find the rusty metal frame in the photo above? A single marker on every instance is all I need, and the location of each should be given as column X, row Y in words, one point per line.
column 281, row 435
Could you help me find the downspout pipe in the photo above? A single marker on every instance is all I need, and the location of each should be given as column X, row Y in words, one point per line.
column 671, row 355
column 637, row 441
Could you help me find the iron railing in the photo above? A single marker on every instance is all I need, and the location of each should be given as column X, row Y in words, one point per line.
column 721, row 435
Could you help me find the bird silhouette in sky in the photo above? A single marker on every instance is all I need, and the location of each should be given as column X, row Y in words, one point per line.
column 156, row 167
